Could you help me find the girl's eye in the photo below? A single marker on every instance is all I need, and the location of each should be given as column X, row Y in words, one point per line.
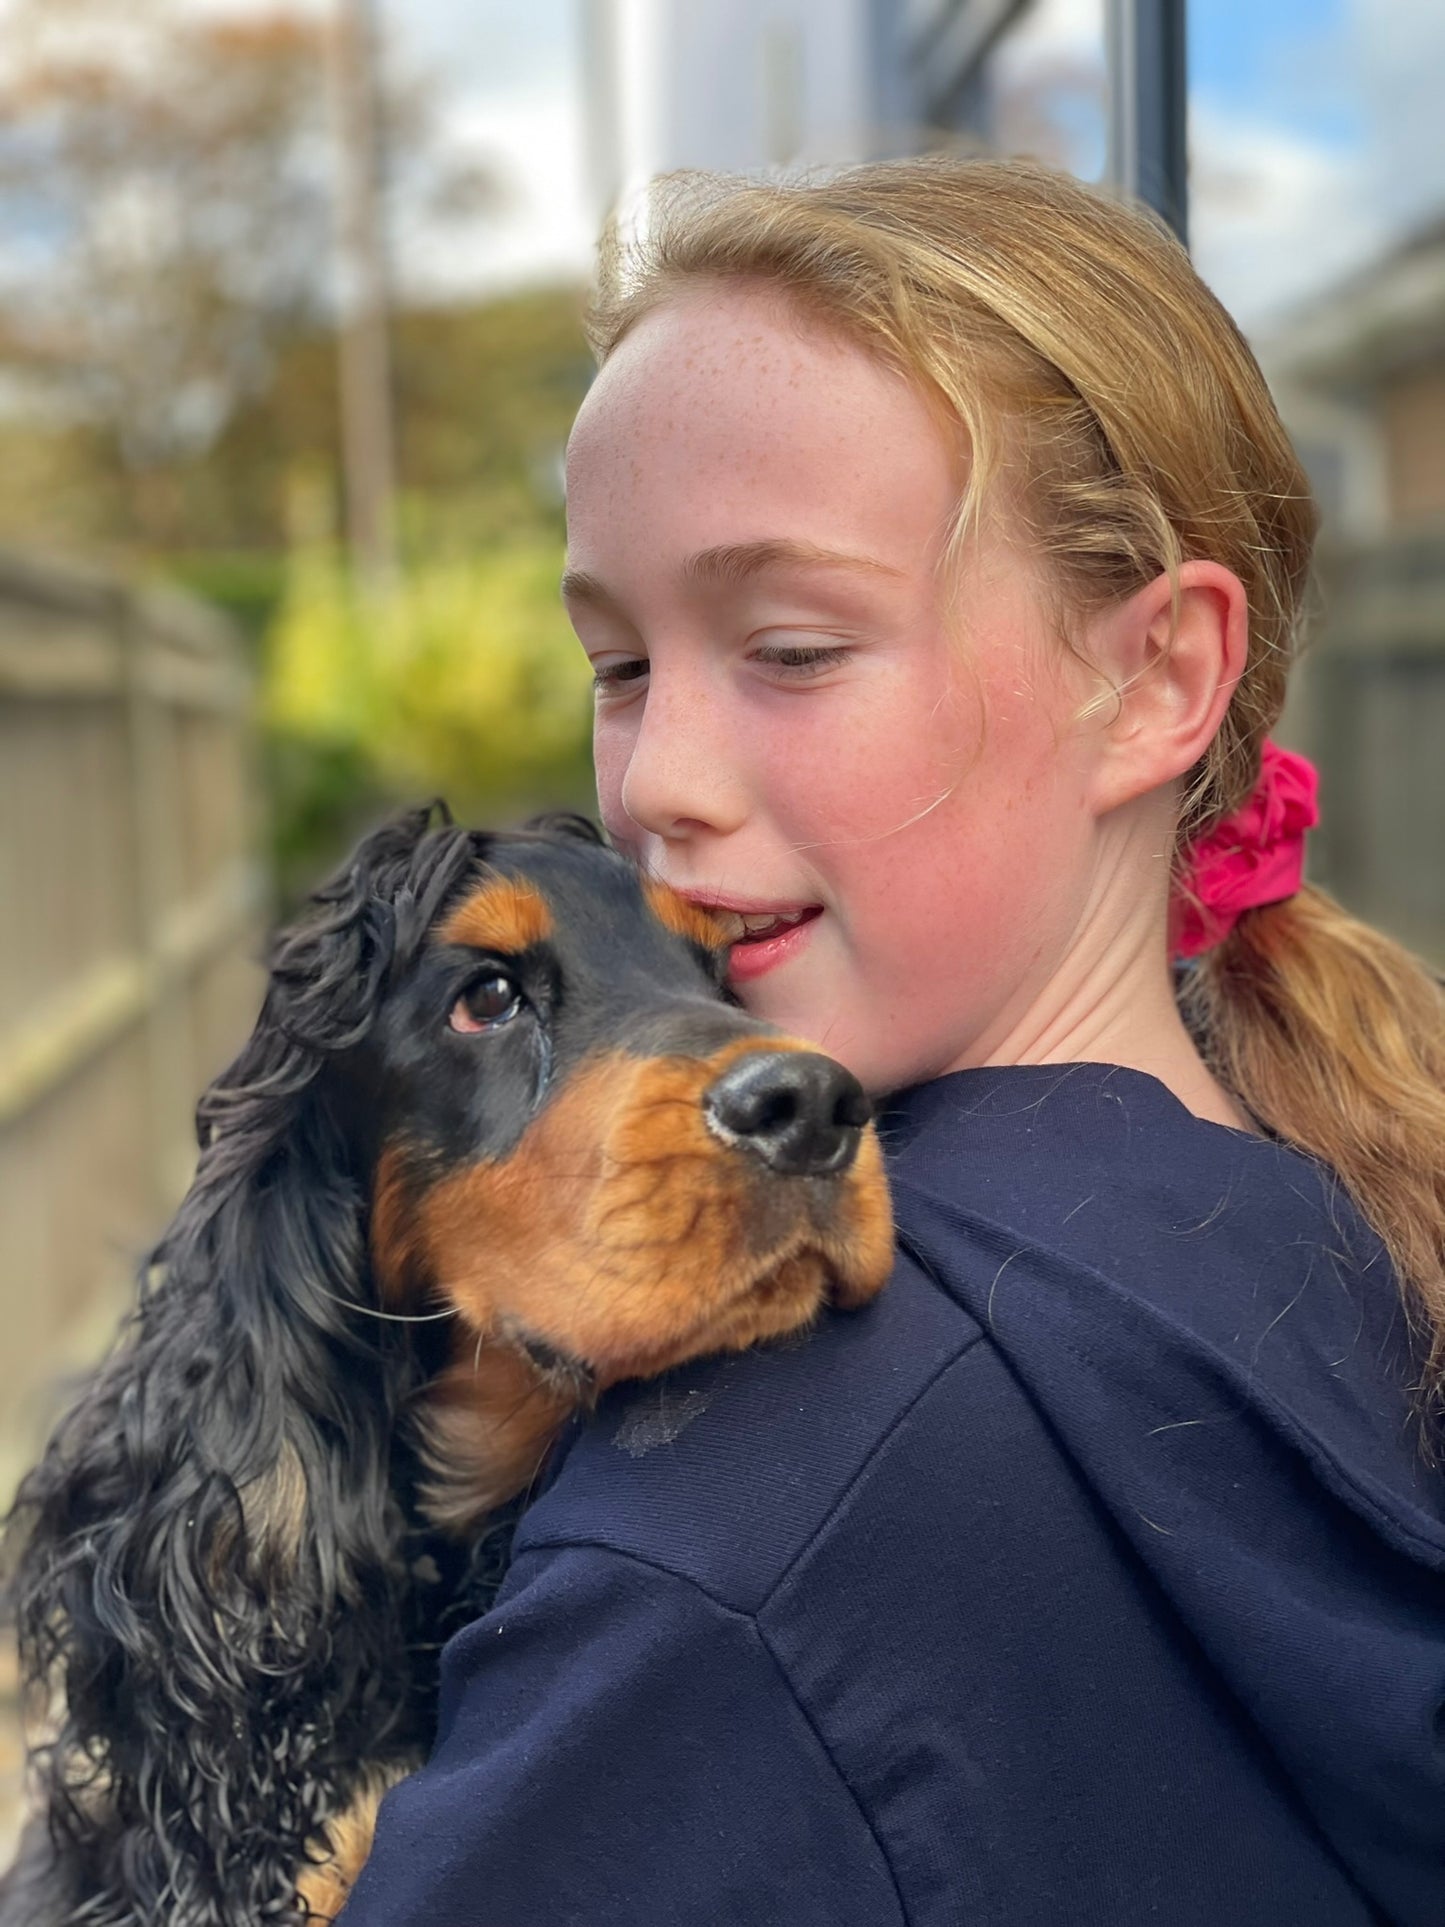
column 612, row 675
column 486, row 1003
column 795, row 662
column 799, row 664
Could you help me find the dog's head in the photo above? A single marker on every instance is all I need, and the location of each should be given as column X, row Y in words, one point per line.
column 496, row 1141
column 576, row 1146
column 586, row 1153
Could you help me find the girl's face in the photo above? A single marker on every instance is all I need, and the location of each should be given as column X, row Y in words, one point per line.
column 790, row 724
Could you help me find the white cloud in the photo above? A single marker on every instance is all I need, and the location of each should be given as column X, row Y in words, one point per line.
column 1274, row 216
column 545, row 229
column 1073, row 27
column 1279, row 217
column 1401, row 66
column 509, row 96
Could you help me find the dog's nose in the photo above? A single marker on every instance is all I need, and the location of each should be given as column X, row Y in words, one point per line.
column 798, row 1111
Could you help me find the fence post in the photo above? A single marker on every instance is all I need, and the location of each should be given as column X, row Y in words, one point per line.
column 156, row 830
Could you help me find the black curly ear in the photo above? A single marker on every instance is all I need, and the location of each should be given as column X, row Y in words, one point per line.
column 566, row 823
column 328, row 971
column 211, row 1559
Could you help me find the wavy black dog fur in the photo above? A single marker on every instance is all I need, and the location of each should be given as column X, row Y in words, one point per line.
column 196, row 1686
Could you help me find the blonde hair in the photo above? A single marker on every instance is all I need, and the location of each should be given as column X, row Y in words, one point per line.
column 1108, row 398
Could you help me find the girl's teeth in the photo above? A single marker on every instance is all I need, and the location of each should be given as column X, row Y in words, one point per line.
column 741, row 926
column 757, row 926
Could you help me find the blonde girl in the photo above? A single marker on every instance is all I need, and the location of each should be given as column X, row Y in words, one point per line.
column 940, row 558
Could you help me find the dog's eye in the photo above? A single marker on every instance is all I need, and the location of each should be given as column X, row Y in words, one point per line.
column 485, row 1003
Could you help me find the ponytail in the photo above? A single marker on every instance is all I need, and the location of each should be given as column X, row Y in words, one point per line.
column 1333, row 1037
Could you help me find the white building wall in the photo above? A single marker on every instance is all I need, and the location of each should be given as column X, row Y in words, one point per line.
column 731, row 84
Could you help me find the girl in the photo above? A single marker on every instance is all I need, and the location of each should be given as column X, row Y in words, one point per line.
column 939, row 554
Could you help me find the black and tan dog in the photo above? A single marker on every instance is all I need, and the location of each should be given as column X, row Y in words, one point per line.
column 496, row 1143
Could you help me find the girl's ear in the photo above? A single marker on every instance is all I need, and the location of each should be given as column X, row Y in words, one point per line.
column 1174, row 668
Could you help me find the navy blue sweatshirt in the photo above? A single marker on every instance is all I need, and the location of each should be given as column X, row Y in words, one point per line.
column 1092, row 1576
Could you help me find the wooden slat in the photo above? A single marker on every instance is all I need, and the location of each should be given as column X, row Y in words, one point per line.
column 191, row 682
column 44, row 583
column 79, row 1021
column 195, row 932
column 89, row 664
column 126, row 831
column 68, row 662
column 181, row 622
column 1380, row 619
column 51, row 1043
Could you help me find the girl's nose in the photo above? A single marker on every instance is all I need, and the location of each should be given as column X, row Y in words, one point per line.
column 683, row 776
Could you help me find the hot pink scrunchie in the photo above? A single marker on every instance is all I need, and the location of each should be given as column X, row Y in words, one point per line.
column 1254, row 857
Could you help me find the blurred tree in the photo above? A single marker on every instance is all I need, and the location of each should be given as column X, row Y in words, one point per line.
column 465, row 681
column 166, row 183
column 485, row 396
column 167, row 175
column 168, row 294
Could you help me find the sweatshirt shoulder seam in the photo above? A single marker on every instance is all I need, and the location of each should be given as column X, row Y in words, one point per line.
column 749, row 1621
column 560, row 1539
column 900, row 1418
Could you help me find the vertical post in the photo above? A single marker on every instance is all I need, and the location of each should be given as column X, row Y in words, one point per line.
column 601, row 105
column 367, row 429
column 156, row 805
column 782, row 94
column 1148, row 104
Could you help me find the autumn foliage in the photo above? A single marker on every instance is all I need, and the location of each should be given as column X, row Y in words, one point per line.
column 169, row 296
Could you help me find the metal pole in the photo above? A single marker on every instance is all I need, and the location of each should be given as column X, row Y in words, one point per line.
column 1148, row 106
column 367, row 430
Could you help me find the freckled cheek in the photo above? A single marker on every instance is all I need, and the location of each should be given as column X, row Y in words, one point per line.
column 612, row 743
column 951, row 840
column 864, row 768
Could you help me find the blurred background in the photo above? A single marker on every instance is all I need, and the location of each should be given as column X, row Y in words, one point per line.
column 289, row 345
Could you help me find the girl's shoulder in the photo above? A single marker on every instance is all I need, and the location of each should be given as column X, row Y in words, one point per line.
column 1216, row 1341
column 1104, row 1234
column 1170, row 1298
column 1177, row 1273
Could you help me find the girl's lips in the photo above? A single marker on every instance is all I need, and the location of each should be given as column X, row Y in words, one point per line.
column 750, row 958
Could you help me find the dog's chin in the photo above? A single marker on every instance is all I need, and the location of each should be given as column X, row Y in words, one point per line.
column 780, row 1296
column 523, row 1363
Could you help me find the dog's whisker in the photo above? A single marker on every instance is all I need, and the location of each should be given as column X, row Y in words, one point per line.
column 391, row 1317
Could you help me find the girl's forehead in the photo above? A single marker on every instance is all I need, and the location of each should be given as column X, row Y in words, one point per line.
column 744, row 353
column 723, row 411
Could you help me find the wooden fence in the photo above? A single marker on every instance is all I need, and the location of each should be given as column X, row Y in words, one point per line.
column 1371, row 710
column 131, row 902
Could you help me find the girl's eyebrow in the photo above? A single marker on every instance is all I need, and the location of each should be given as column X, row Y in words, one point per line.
column 736, row 562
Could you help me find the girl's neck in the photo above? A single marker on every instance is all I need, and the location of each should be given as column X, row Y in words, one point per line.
column 1097, row 1012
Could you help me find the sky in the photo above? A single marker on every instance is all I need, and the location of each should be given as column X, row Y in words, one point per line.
column 1314, row 135
column 1315, row 141
column 510, row 89
column 1314, row 130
